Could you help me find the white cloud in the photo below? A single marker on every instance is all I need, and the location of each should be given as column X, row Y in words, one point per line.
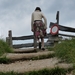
column 15, row 15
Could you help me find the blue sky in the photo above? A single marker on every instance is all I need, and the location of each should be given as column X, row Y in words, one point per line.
column 15, row 15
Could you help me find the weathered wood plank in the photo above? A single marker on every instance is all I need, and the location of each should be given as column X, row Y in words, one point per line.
column 27, row 37
column 67, row 35
column 23, row 45
column 10, row 38
column 63, row 28
column 23, row 37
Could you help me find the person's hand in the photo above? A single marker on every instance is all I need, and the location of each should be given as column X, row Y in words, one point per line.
column 45, row 27
column 32, row 30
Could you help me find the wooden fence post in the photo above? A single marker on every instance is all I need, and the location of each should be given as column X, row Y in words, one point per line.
column 10, row 38
column 57, row 17
column 35, row 41
column 7, row 40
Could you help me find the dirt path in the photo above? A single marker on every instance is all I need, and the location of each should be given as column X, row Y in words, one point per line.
column 24, row 66
column 31, row 65
column 15, row 56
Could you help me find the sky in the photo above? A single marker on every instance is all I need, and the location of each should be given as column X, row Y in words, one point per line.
column 15, row 15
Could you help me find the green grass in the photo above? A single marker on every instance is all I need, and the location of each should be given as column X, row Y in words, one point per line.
column 8, row 73
column 55, row 71
column 4, row 60
column 65, row 50
column 4, row 47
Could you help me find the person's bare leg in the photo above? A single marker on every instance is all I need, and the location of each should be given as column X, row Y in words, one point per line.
column 35, row 42
column 38, row 40
column 39, row 43
column 42, row 42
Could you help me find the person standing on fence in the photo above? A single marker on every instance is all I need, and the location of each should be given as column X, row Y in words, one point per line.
column 39, row 26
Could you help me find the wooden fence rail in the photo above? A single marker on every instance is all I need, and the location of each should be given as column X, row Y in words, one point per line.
column 50, row 40
column 27, row 37
column 10, row 40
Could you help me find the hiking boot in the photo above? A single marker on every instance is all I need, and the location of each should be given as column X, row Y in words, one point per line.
column 39, row 45
column 43, row 49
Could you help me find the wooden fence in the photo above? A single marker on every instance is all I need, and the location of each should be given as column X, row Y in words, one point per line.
column 51, row 38
column 10, row 40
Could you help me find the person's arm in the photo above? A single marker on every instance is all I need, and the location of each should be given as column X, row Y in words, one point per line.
column 45, row 20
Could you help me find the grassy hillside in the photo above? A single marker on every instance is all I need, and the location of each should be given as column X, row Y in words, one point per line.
column 4, row 48
column 66, row 51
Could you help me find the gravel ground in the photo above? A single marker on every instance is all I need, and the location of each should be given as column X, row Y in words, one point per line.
column 30, row 65
column 23, row 66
